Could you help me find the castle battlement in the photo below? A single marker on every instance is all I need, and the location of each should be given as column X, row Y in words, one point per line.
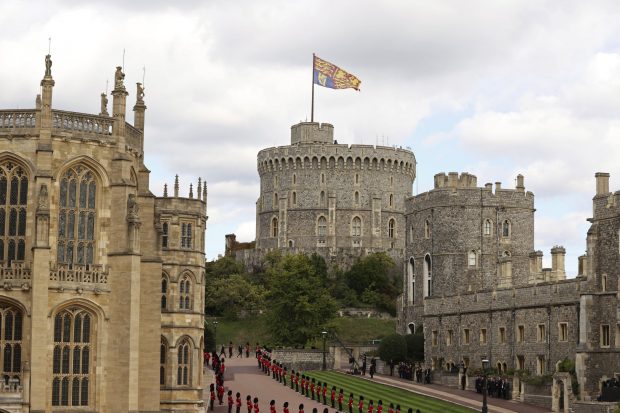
column 605, row 203
column 190, row 205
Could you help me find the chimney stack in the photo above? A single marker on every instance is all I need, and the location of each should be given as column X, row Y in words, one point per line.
column 602, row 183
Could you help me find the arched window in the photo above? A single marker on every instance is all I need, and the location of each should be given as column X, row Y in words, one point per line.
column 294, row 179
column 356, row 227
column 72, row 366
column 185, row 293
column 357, row 197
column 357, row 178
column 184, row 364
column 506, row 229
column 163, row 356
column 186, row 235
column 164, row 292
column 471, row 258
column 77, row 216
column 427, row 229
column 275, row 200
column 428, row 276
column 322, row 178
column 322, row 199
column 11, row 319
column 411, row 328
column 488, row 227
column 411, row 277
column 391, row 228
column 274, row 227
column 164, row 235
column 294, row 198
column 321, row 226
column 291, row 243
column 13, row 202
column 391, row 200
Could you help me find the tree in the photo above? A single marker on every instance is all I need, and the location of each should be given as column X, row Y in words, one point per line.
column 223, row 267
column 228, row 296
column 299, row 306
column 415, row 346
column 393, row 347
column 209, row 339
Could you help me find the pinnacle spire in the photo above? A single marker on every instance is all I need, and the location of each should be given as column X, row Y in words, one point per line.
column 176, row 186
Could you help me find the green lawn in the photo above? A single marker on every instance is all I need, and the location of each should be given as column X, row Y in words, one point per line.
column 351, row 330
column 388, row 394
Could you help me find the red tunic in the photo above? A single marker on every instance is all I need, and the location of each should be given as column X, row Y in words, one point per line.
column 370, row 408
column 340, row 397
column 256, row 409
column 350, row 402
column 272, row 409
column 325, row 391
column 212, row 395
column 285, row 410
column 230, row 400
column 360, row 405
column 250, row 405
column 238, row 402
column 380, row 408
column 333, row 394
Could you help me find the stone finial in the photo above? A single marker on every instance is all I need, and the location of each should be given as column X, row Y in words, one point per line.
column 191, row 191
column 139, row 93
column 204, row 191
column 48, row 65
column 165, row 190
column 104, row 105
column 119, row 77
column 199, row 189
column 176, row 186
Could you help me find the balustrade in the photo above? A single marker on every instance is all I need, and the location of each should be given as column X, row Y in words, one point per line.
column 71, row 121
column 92, row 274
column 14, row 270
column 133, row 136
column 10, row 119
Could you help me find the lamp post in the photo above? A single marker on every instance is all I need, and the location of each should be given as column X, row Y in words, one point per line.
column 324, row 333
column 215, row 334
column 485, row 366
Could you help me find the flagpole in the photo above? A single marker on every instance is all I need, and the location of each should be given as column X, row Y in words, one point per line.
column 312, row 106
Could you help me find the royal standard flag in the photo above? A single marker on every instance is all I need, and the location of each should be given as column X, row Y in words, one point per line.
column 331, row 76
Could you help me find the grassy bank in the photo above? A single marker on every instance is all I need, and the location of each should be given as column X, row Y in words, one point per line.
column 388, row 394
column 350, row 329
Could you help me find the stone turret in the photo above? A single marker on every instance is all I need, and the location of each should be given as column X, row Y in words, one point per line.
column 558, row 271
column 312, row 132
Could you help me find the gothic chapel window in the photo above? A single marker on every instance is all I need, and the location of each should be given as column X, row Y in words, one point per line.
column 487, row 227
column 185, row 297
column 10, row 341
column 13, row 201
column 76, row 217
column 164, row 235
column 184, row 364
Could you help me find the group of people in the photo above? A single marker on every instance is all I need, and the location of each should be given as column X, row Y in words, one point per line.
column 316, row 390
column 496, row 387
column 410, row 371
column 219, row 367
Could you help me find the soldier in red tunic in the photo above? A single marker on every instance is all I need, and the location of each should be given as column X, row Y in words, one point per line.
column 324, row 393
column 285, row 408
column 238, row 402
column 301, row 408
column 220, row 393
column 391, row 408
column 380, row 406
column 212, row 396
column 272, row 406
column 340, row 398
column 371, row 407
column 249, row 403
column 303, row 384
column 360, row 405
column 230, row 401
column 351, row 403
column 256, row 409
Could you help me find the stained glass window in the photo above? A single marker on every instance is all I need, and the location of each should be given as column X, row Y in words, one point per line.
column 13, row 201
column 11, row 341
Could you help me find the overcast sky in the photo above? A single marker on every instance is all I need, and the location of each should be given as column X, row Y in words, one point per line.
column 494, row 87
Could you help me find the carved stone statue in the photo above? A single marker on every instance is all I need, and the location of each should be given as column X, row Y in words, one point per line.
column 104, row 105
column 132, row 208
column 119, row 76
column 140, row 93
column 48, row 65
column 43, row 201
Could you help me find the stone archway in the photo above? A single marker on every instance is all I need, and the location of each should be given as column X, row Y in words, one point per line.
column 561, row 392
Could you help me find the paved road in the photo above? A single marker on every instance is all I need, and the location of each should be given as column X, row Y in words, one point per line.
column 244, row 376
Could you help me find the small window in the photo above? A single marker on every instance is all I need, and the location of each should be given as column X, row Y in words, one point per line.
column 521, row 334
column 391, row 200
column 449, row 338
column 164, row 235
column 322, row 199
column 357, row 198
column 275, row 200
column 294, row 179
column 186, row 235
column 291, row 243
column 483, row 336
column 604, row 283
column 540, row 365
column 466, row 336
column 471, row 258
column 391, row 181
column 274, row 227
column 563, row 332
column 605, row 335
column 275, row 181
column 488, row 225
column 322, row 178
column 356, row 227
column 391, row 228
column 427, row 229
column 357, row 178
column 502, row 335
column 520, row 362
column 322, row 226
column 542, row 334
column 506, row 229
column 294, row 198
column 435, row 336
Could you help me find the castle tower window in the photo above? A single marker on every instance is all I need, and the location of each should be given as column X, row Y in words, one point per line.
column 506, row 229
column 13, row 201
column 185, row 293
column 275, row 181
column 163, row 356
column 294, row 179
column 71, row 368
column 294, row 198
column 11, row 341
column 275, row 200
column 428, row 276
column 291, row 243
column 76, row 217
column 563, row 332
column 274, row 227
column 186, row 235
column 164, row 292
column 391, row 228
column 521, row 334
column 322, row 226
column 357, row 197
column 605, row 335
column 391, row 200
column 356, row 227
column 540, row 365
column 164, row 235
column 322, row 199
column 488, row 226
column 604, row 283
column 322, row 178
column 357, row 179
column 411, row 277
column 471, row 258
column 542, row 333
column 427, row 229
column 391, row 181
column 184, row 364
column 483, row 336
